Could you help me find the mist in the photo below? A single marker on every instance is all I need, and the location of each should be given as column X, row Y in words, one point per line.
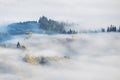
column 41, row 56
column 91, row 56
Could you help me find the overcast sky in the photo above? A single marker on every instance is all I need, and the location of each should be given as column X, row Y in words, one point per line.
column 87, row 13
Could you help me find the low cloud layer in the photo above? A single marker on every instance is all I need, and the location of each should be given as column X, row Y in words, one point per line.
column 92, row 56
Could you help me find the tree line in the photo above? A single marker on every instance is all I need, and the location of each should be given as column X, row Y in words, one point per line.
column 111, row 28
column 54, row 26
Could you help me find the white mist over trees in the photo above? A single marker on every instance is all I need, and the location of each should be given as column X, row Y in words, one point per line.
column 44, row 25
column 51, row 25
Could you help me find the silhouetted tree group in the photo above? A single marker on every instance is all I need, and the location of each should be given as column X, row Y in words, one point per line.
column 69, row 32
column 51, row 25
column 111, row 28
column 54, row 26
column 44, row 25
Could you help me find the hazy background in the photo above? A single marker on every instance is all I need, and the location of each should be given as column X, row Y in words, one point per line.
column 87, row 13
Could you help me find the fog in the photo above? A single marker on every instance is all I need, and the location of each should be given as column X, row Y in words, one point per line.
column 86, row 13
column 84, row 56
column 91, row 57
